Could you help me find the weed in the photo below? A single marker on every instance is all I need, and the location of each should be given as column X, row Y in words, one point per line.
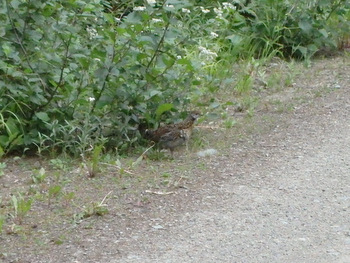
column 197, row 141
column 166, row 179
column 275, row 81
column 157, row 155
column 2, row 168
column 58, row 164
column 248, row 103
column 21, row 207
column 94, row 208
column 229, row 123
column 244, row 84
column 68, row 197
column 166, row 175
column 54, row 192
column 38, row 176
column 2, row 222
column 92, row 165
column 59, row 240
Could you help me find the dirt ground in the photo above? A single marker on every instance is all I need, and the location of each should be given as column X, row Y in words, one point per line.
column 278, row 190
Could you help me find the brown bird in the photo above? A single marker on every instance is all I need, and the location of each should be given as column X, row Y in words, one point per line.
column 172, row 135
column 172, row 139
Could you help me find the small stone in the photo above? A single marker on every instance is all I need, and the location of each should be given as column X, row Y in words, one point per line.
column 158, row 227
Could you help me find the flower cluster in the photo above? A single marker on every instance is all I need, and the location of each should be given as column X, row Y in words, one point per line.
column 139, row 8
column 156, row 20
column 151, row 2
column 203, row 52
column 213, row 35
column 228, row 6
column 218, row 12
column 92, row 32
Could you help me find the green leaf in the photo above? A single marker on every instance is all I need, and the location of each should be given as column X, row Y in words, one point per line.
column 4, row 140
column 168, row 61
column 42, row 116
column 302, row 50
column 163, row 108
column 11, row 126
column 54, row 190
column 15, row 4
column 146, row 39
column 214, row 105
column 187, row 62
column 109, row 18
column 6, row 49
column 2, row 152
column 323, row 32
column 152, row 93
column 2, row 31
column 305, row 26
column 235, row 39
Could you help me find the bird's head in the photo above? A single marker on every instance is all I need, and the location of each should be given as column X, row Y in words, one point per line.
column 195, row 115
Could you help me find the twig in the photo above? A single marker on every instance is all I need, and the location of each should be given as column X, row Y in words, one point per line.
column 101, row 204
column 118, row 167
column 158, row 46
column 143, row 154
column 159, row 193
column 209, row 127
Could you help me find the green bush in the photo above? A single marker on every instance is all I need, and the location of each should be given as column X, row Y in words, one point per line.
column 287, row 28
column 74, row 74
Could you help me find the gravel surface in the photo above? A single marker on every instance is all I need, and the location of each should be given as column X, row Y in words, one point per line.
column 277, row 191
column 282, row 197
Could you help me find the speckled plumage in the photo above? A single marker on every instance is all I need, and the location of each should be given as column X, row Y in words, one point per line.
column 172, row 135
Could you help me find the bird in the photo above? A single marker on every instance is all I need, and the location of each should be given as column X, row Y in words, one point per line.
column 187, row 125
column 172, row 139
column 173, row 135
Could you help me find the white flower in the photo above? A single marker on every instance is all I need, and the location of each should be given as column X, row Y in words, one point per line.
column 97, row 59
column 139, row 8
column 218, row 11
column 228, row 6
column 205, row 11
column 185, row 10
column 156, row 20
column 213, row 35
column 91, row 99
column 170, row 6
column 151, row 2
column 178, row 57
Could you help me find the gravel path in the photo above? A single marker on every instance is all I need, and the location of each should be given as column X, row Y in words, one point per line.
column 283, row 197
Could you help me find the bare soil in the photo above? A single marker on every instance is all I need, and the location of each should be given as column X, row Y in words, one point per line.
column 278, row 190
